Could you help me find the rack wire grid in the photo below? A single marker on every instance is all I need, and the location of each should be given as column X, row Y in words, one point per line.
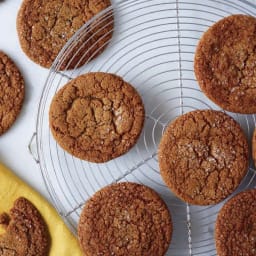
column 152, row 47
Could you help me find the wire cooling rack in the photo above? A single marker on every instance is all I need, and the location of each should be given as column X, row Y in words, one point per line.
column 152, row 47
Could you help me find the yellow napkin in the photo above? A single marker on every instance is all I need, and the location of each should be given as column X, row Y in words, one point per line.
column 63, row 243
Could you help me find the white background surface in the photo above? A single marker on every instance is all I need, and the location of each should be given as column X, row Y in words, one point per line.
column 14, row 143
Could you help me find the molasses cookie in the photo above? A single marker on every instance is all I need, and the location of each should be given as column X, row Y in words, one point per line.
column 26, row 232
column 125, row 219
column 12, row 92
column 235, row 230
column 203, row 156
column 97, row 117
column 44, row 27
column 225, row 63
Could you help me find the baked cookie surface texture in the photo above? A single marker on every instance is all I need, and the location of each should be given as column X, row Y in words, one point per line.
column 235, row 229
column 125, row 219
column 203, row 156
column 97, row 117
column 45, row 26
column 12, row 92
column 225, row 63
column 26, row 232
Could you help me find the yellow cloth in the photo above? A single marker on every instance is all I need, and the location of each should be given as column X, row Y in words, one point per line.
column 63, row 243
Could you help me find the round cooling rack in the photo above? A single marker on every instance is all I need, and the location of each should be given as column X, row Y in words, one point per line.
column 152, row 47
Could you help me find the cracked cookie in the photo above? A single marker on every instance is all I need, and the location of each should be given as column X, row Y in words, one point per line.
column 125, row 219
column 12, row 92
column 44, row 27
column 225, row 63
column 96, row 117
column 26, row 232
column 235, row 228
column 203, row 156
column 254, row 147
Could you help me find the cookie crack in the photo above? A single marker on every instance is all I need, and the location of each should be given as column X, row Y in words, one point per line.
column 57, row 17
column 204, row 160
column 11, row 92
column 5, row 249
column 245, row 65
column 99, row 116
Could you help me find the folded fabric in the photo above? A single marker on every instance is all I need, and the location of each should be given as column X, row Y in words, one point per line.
column 63, row 243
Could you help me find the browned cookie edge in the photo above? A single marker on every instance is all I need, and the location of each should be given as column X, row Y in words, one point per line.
column 227, row 225
column 102, row 33
column 92, row 154
column 164, row 167
column 202, row 76
column 111, row 191
column 15, row 96
column 26, row 220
